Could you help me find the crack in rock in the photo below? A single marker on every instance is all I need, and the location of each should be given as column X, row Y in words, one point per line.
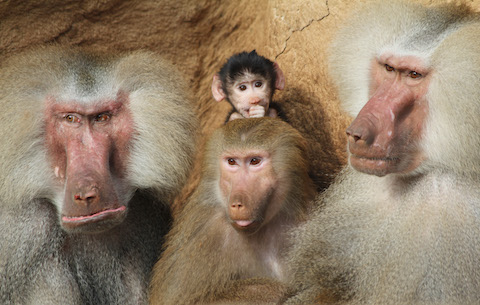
column 302, row 28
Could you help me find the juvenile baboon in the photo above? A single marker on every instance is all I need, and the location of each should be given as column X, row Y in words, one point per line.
column 248, row 81
column 93, row 147
column 229, row 241
column 401, row 225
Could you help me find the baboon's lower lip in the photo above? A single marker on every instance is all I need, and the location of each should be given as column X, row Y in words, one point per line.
column 93, row 217
column 379, row 166
column 244, row 223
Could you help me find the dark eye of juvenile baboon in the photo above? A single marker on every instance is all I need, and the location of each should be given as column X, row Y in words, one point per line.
column 255, row 161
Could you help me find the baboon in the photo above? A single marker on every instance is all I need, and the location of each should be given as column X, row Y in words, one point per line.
column 94, row 147
column 248, row 81
column 229, row 241
column 401, row 224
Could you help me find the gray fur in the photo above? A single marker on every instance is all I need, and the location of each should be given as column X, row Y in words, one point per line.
column 404, row 238
column 40, row 263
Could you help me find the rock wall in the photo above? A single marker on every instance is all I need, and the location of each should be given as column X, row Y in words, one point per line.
column 198, row 36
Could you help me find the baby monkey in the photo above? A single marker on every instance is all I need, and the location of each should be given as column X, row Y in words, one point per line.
column 248, row 81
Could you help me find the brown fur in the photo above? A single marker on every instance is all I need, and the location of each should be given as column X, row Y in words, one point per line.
column 205, row 258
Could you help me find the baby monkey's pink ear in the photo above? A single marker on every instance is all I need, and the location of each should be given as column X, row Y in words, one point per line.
column 280, row 82
column 217, row 90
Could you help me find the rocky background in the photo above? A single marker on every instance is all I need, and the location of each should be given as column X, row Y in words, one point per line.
column 198, row 36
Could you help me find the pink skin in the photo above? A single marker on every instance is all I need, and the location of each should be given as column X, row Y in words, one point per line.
column 251, row 97
column 383, row 138
column 88, row 147
column 247, row 182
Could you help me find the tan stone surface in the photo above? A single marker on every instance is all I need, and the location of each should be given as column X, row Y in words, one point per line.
column 198, row 36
